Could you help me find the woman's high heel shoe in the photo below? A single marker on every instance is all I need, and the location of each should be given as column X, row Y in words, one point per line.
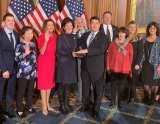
column 45, row 113
column 51, row 109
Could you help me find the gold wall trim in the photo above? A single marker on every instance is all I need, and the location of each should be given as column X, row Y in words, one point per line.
column 133, row 15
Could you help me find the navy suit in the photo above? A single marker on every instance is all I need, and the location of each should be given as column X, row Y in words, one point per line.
column 7, row 63
column 93, row 66
column 115, row 31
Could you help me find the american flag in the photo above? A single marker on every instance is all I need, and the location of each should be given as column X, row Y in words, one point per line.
column 25, row 15
column 46, row 9
column 73, row 9
column 21, row 10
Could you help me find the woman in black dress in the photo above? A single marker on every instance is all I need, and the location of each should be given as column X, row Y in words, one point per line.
column 150, row 63
column 66, row 64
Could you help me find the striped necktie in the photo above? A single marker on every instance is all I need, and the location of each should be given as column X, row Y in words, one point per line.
column 91, row 39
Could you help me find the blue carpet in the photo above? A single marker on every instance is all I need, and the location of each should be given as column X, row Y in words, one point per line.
column 136, row 113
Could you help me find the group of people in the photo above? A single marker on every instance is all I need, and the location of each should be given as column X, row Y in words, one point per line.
column 105, row 52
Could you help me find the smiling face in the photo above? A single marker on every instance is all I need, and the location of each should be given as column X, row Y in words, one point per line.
column 94, row 25
column 68, row 28
column 9, row 22
column 50, row 27
column 122, row 37
column 28, row 35
column 107, row 18
column 152, row 30
column 132, row 28
column 80, row 23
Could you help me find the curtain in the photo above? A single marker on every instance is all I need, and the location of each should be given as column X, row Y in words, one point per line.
column 105, row 5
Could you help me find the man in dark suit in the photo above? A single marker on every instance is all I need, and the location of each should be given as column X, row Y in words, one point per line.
column 94, row 44
column 8, row 41
column 112, row 32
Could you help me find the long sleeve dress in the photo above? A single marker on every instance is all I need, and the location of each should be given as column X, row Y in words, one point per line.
column 46, row 63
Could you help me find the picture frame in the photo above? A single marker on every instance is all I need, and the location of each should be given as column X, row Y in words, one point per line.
column 143, row 12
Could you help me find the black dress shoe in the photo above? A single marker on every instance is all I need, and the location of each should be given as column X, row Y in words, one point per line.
column 83, row 109
column 95, row 114
column 10, row 115
column 112, row 104
column 119, row 106
column 21, row 115
column 32, row 111
column 108, row 97
column 131, row 100
column 2, row 118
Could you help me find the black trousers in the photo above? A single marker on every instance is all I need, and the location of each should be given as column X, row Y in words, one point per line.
column 132, row 84
column 96, row 80
column 10, row 91
column 62, row 88
column 118, row 83
column 25, row 88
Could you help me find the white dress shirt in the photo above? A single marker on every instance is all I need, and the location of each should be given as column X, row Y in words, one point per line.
column 110, row 30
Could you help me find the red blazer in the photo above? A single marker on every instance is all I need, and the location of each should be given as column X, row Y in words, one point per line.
column 117, row 62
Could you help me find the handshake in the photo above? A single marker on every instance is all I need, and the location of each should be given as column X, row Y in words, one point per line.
column 80, row 53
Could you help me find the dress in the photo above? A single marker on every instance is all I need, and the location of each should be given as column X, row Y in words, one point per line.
column 46, row 63
column 148, row 69
column 66, row 63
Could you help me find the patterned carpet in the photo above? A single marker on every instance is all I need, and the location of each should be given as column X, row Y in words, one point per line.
column 133, row 113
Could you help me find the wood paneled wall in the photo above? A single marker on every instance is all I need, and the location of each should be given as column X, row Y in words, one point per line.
column 119, row 9
column 3, row 7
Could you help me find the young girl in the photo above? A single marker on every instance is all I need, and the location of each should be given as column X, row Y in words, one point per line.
column 26, row 74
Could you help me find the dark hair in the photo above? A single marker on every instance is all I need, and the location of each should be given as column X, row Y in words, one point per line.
column 155, row 24
column 65, row 21
column 7, row 15
column 45, row 24
column 25, row 29
column 109, row 12
column 94, row 18
column 124, row 30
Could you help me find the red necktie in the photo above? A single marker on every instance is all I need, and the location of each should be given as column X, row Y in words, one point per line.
column 108, row 33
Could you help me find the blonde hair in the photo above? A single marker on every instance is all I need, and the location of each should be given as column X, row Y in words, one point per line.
column 136, row 36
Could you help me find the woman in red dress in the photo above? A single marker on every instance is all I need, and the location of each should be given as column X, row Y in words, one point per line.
column 46, row 63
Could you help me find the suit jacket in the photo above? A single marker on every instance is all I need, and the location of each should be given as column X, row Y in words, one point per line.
column 7, row 52
column 94, row 61
column 66, row 63
column 115, row 31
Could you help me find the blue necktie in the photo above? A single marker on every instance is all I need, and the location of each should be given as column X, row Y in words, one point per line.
column 11, row 40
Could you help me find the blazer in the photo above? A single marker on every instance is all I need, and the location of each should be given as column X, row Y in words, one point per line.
column 7, row 52
column 115, row 31
column 137, row 52
column 154, row 58
column 94, row 61
column 66, row 63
